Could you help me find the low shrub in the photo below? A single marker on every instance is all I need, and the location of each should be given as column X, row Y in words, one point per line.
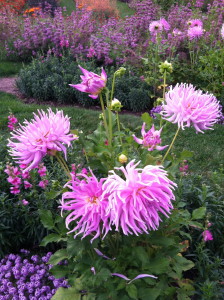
column 48, row 80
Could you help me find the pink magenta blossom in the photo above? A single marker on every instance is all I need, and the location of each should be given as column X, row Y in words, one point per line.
column 187, row 106
column 25, row 202
column 222, row 31
column 46, row 134
column 155, row 27
column 27, row 184
column 12, row 121
column 195, row 32
column 87, row 205
column 165, row 24
column 42, row 170
column 91, row 83
column 207, row 235
column 136, row 200
column 150, row 139
column 43, row 183
column 195, row 22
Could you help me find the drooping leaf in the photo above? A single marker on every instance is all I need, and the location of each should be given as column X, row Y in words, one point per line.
column 199, row 213
column 67, row 294
column 58, row 256
column 46, row 218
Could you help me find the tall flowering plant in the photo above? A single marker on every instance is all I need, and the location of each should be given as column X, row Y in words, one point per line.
column 124, row 234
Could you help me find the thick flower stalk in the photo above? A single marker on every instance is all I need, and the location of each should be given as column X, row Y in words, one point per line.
column 187, row 106
column 46, row 134
column 150, row 139
column 87, row 206
column 137, row 199
column 91, row 83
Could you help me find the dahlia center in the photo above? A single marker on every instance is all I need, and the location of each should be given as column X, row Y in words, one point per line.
column 92, row 200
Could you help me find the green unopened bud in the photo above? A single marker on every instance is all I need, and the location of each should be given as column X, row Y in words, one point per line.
column 159, row 101
column 116, row 105
column 120, row 72
column 122, row 159
column 101, row 117
column 165, row 66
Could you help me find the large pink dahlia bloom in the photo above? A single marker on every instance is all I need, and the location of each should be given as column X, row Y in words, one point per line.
column 91, row 83
column 187, row 106
column 87, row 205
column 136, row 201
column 45, row 134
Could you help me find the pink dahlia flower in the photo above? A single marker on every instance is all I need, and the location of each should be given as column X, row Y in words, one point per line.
column 45, row 134
column 87, row 205
column 207, row 235
column 195, row 32
column 195, row 22
column 91, row 83
column 138, row 197
column 165, row 24
column 187, row 106
column 155, row 27
column 150, row 139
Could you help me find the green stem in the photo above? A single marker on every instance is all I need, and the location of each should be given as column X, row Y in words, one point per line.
column 118, row 126
column 104, row 116
column 63, row 164
column 171, row 145
column 112, row 89
column 164, row 90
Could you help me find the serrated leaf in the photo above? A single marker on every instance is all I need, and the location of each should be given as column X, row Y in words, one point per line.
column 132, row 291
column 58, row 256
column 53, row 237
column 67, row 294
column 59, row 271
column 52, row 194
column 199, row 213
column 149, row 293
column 46, row 218
column 186, row 154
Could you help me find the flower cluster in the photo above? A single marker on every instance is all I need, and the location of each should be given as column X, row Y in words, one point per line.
column 133, row 204
column 27, row 277
column 45, row 134
column 12, row 122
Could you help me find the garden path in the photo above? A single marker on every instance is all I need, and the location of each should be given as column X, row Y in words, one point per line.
column 8, row 85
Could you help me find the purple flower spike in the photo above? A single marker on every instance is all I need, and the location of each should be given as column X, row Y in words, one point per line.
column 101, row 254
column 150, row 139
column 91, row 83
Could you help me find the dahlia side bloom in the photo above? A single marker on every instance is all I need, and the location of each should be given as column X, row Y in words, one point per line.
column 46, row 134
column 91, row 83
column 207, row 235
column 195, row 32
column 138, row 197
column 187, row 106
column 150, row 139
column 165, row 24
column 86, row 204
column 155, row 27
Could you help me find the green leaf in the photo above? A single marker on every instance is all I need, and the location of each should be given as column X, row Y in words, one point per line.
column 186, row 154
column 141, row 254
column 199, row 213
column 149, row 293
column 132, row 291
column 59, row 271
column 53, row 194
column 147, row 119
column 46, row 218
column 58, row 256
column 67, row 294
column 53, row 237
column 90, row 296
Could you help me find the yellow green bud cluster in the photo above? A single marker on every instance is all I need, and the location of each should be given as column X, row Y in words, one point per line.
column 116, row 105
column 120, row 72
column 165, row 66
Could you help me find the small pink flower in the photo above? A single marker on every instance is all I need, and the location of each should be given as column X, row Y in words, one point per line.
column 46, row 134
column 42, row 170
column 91, row 52
column 195, row 32
column 14, row 190
column 150, row 139
column 91, row 83
column 12, row 121
column 195, row 23
column 43, row 183
column 14, row 180
column 25, row 175
column 155, row 27
column 25, row 202
column 84, row 171
column 207, row 235
column 27, row 185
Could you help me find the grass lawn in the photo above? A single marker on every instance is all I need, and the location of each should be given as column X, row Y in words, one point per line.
column 10, row 68
column 207, row 147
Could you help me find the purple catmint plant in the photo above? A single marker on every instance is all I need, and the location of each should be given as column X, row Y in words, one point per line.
column 23, row 276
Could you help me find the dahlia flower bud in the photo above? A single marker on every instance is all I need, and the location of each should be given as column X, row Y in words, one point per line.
column 91, row 83
column 116, row 105
column 122, row 159
column 165, row 67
